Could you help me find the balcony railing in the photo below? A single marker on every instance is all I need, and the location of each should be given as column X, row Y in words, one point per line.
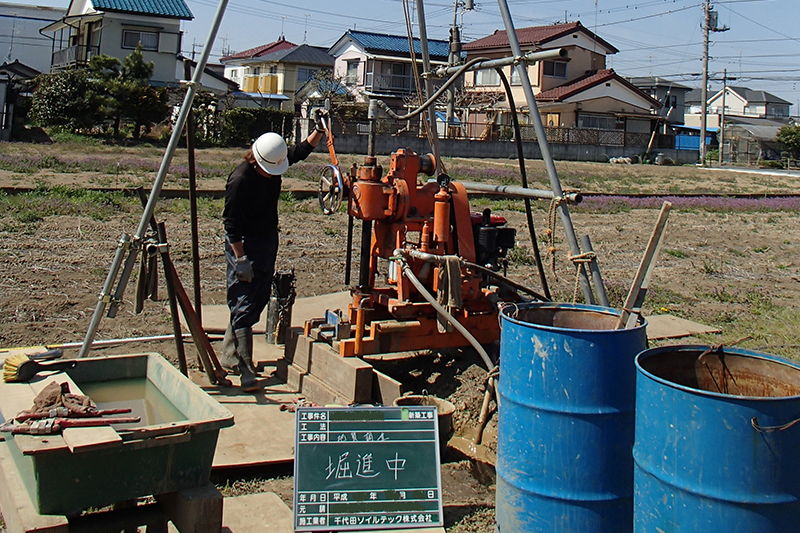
column 395, row 84
column 74, row 56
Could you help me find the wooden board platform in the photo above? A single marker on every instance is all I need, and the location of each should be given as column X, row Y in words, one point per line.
column 266, row 512
column 262, row 434
column 216, row 317
column 672, row 327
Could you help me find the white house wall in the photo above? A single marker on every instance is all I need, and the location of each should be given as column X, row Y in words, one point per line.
column 579, row 39
column 628, row 101
column 163, row 61
column 28, row 45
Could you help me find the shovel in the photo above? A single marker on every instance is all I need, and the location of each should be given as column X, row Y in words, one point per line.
column 482, row 458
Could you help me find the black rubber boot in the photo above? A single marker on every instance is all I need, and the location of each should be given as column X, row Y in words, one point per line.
column 244, row 349
column 227, row 354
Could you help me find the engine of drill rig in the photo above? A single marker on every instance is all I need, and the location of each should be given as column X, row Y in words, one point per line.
column 430, row 216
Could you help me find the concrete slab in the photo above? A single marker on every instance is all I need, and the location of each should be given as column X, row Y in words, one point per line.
column 673, row 327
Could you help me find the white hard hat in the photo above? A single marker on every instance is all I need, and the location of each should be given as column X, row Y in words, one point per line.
column 270, row 151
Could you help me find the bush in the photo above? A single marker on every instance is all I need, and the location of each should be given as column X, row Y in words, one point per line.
column 241, row 125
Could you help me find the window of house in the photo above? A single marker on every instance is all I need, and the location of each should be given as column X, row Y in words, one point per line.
column 514, row 78
column 132, row 38
column 256, row 71
column 552, row 120
column 486, row 77
column 352, row 71
column 555, row 69
column 273, row 69
column 304, row 74
column 596, row 122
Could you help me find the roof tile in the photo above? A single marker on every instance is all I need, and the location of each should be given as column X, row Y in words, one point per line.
column 533, row 36
column 395, row 44
column 163, row 8
column 264, row 49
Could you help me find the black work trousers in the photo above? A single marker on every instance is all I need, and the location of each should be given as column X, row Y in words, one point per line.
column 247, row 301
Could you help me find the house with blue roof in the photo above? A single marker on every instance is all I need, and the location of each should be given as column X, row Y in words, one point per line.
column 375, row 65
column 115, row 28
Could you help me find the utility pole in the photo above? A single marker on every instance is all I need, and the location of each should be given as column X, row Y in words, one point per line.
column 454, row 58
column 722, row 115
column 704, row 90
column 709, row 25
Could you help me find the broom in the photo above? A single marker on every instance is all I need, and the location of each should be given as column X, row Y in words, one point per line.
column 22, row 367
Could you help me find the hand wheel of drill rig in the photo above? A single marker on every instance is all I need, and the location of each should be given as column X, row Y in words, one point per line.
column 331, row 189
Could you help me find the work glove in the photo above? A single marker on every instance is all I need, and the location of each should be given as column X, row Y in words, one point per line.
column 244, row 269
column 320, row 116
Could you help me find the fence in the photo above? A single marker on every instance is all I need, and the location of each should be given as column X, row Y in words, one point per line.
column 495, row 132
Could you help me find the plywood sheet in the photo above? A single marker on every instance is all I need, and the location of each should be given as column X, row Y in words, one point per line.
column 673, row 327
column 262, row 434
column 255, row 513
column 216, row 317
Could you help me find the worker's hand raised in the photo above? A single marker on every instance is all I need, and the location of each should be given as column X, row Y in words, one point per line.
column 244, row 269
column 321, row 119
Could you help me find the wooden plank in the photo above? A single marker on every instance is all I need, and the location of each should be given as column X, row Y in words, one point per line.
column 83, row 439
column 385, row 390
column 301, row 356
column 76, row 439
column 349, row 376
column 318, row 392
column 19, row 512
column 641, row 282
column 673, row 327
column 256, row 513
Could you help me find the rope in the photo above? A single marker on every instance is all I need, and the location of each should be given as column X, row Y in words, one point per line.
column 550, row 232
column 770, row 429
column 584, row 258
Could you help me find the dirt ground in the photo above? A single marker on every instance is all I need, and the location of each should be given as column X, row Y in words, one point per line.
column 735, row 270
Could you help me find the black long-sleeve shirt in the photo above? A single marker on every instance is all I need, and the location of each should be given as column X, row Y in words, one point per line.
column 251, row 200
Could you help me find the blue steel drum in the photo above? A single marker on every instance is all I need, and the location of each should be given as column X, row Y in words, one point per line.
column 565, row 427
column 717, row 441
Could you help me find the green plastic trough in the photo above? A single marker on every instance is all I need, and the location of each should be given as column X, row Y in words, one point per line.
column 149, row 460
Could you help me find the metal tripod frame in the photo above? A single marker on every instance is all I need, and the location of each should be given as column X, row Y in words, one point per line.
column 131, row 245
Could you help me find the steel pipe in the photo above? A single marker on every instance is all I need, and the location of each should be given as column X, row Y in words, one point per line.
column 511, row 191
column 530, row 57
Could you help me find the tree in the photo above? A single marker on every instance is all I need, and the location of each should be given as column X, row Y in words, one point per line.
column 789, row 137
column 66, row 100
column 126, row 88
column 107, row 91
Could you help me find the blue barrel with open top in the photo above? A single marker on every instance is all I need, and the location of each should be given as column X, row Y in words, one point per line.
column 565, row 426
column 717, row 441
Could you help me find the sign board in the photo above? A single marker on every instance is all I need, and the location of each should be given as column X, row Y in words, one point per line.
column 367, row 468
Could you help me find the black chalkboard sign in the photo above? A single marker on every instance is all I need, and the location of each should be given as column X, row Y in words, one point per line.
column 367, row 468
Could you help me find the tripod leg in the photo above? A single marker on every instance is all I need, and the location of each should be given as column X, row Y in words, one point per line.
column 176, row 323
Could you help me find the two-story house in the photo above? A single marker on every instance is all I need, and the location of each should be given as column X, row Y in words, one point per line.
column 270, row 74
column 115, row 28
column 574, row 92
column 671, row 94
column 375, row 65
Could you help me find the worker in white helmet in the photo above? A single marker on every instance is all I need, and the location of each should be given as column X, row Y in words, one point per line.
column 250, row 218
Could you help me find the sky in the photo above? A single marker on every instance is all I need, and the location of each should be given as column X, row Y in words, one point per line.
column 760, row 49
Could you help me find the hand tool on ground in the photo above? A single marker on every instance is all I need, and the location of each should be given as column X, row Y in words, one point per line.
column 22, row 368
column 63, row 412
column 52, row 426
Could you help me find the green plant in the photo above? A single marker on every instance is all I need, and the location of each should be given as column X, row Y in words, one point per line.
column 677, row 253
